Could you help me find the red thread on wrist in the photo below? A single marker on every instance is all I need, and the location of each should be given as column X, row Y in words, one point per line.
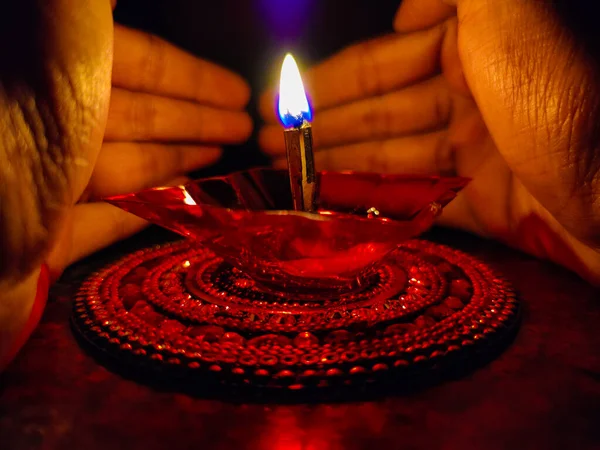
column 39, row 303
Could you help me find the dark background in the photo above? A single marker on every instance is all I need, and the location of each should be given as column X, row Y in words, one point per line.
column 251, row 36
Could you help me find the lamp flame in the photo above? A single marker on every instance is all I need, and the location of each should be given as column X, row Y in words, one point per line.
column 293, row 104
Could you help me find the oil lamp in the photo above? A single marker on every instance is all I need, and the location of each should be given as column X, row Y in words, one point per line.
column 260, row 295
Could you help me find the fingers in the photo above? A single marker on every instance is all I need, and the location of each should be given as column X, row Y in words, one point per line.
column 144, row 117
column 125, row 167
column 416, row 15
column 146, row 63
column 415, row 109
column 374, row 67
column 369, row 68
column 419, row 154
column 161, row 93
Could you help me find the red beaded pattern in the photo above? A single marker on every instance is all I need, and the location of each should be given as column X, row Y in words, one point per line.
column 178, row 307
column 215, row 293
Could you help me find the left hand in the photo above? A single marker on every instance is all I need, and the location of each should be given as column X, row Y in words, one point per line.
column 169, row 113
column 77, row 127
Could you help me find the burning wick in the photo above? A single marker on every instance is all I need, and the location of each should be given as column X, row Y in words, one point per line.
column 295, row 114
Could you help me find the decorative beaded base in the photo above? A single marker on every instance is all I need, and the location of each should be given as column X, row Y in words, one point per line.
column 177, row 312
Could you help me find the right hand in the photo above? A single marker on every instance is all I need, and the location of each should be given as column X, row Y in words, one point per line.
column 498, row 91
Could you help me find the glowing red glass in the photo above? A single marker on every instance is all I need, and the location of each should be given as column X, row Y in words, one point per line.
column 247, row 219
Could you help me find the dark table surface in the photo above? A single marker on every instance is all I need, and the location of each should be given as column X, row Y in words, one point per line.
column 543, row 392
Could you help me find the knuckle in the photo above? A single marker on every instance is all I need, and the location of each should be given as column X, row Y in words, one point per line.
column 443, row 106
column 378, row 117
column 367, row 76
column 154, row 62
column 386, row 119
column 371, row 112
column 143, row 115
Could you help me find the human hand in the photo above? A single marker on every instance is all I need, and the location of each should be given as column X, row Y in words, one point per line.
column 501, row 92
column 56, row 161
column 169, row 114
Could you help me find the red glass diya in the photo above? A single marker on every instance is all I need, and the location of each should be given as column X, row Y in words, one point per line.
column 264, row 296
column 247, row 219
